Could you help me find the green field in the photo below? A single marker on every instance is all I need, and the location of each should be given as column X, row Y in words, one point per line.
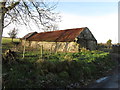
column 53, row 70
column 8, row 44
column 9, row 40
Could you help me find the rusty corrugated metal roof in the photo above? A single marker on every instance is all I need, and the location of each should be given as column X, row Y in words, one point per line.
column 67, row 35
column 29, row 35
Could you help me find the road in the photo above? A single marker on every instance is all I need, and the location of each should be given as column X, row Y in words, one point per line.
column 112, row 80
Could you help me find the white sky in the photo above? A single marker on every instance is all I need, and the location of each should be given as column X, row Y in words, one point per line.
column 103, row 27
column 100, row 18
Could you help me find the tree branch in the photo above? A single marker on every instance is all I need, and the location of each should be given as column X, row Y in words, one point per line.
column 21, row 17
column 38, row 13
column 7, row 24
column 12, row 6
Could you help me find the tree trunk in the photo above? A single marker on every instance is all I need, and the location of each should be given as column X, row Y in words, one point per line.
column 1, row 31
column 1, row 22
column 1, row 19
column 12, row 40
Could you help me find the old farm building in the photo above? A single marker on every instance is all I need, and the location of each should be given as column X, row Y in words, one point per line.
column 70, row 40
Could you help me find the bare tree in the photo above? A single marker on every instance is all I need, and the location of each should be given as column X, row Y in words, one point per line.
column 13, row 33
column 26, row 11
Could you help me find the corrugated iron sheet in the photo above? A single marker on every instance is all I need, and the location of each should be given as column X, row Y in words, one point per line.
column 57, row 36
column 29, row 35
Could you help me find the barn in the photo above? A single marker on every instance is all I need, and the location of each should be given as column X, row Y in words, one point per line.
column 69, row 40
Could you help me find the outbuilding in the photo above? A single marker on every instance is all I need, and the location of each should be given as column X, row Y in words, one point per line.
column 69, row 40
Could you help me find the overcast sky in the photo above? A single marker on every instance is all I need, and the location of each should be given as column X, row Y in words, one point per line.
column 100, row 17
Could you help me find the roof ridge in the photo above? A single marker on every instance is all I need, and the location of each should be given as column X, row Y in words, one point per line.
column 64, row 30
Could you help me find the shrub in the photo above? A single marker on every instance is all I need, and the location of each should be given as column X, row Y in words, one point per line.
column 64, row 75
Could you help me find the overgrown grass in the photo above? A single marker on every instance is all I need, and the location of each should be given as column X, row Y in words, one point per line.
column 56, row 69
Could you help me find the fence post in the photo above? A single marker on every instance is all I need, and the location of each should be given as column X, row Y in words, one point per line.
column 55, row 49
column 51, row 49
column 41, row 51
column 24, row 49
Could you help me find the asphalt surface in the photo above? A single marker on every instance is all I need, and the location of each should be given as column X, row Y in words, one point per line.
column 112, row 80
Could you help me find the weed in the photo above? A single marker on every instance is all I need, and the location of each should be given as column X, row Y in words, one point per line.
column 56, row 69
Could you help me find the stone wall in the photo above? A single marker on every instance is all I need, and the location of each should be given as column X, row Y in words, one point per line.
column 87, row 40
column 91, row 45
column 54, row 46
column 88, row 44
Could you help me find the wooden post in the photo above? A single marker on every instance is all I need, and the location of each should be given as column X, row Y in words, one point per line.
column 41, row 51
column 56, row 47
column 51, row 49
column 24, row 49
